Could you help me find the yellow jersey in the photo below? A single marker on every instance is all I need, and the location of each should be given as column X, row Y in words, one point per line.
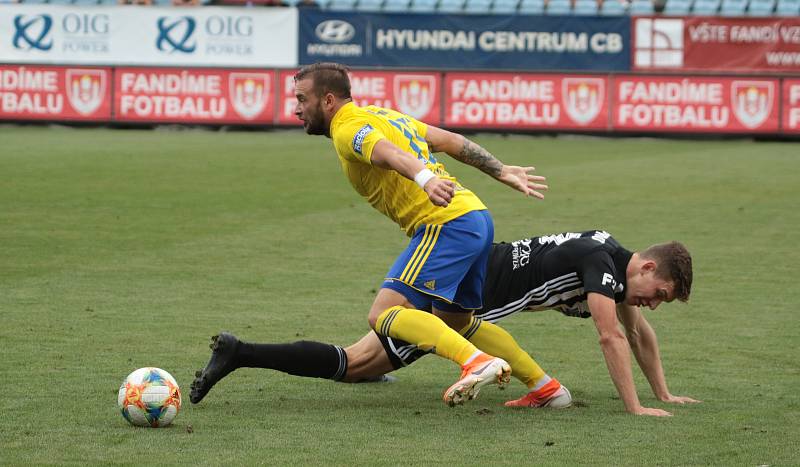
column 355, row 130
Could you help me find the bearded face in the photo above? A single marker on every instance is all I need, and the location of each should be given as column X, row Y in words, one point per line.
column 309, row 108
column 314, row 120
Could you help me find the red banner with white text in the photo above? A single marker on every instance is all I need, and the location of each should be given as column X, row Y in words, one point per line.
column 55, row 93
column 738, row 45
column 202, row 96
column 493, row 101
column 791, row 106
column 697, row 104
column 415, row 94
column 526, row 101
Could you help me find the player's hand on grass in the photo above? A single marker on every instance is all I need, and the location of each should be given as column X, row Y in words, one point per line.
column 651, row 411
column 522, row 179
column 440, row 191
column 679, row 400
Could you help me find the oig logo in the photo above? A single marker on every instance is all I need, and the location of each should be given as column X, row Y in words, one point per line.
column 229, row 26
column 85, row 24
column 335, row 31
column 175, row 34
column 33, row 34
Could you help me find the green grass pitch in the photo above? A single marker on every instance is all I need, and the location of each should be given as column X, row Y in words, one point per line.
column 123, row 249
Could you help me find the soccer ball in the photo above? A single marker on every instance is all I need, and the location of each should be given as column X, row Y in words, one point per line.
column 149, row 397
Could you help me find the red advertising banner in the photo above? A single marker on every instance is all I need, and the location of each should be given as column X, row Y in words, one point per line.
column 55, row 93
column 523, row 101
column 209, row 96
column 743, row 45
column 674, row 104
column 670, row 104
column 415, row 94
column 791, row 106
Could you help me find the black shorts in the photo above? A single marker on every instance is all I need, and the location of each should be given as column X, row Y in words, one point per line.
column 401, row 353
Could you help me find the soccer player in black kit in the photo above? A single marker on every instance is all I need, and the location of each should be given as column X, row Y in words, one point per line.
column 583, row 274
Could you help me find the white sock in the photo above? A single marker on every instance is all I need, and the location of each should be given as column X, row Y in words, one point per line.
column 542, row 381
column 472, row 357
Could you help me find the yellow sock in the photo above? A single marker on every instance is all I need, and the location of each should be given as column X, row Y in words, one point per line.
column 425, row 331
column 496, row 341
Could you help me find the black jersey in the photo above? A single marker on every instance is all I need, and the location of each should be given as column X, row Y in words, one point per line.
column 554, row 272
column 542, row 273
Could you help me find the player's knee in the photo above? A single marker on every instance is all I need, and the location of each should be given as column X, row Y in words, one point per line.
column 379, row 313
column 374, row 314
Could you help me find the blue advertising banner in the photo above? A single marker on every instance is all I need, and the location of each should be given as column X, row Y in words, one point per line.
column 466, row 41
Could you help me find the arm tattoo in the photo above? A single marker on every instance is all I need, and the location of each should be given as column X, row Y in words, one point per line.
column 474, row 155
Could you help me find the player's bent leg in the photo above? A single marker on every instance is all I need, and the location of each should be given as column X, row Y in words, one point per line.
column 495, row 340
column 367, row 361
column 393, row 315
column 544, row 390
column 431, row 333
column 222, row 362
column 479, row 372
column 425, row 331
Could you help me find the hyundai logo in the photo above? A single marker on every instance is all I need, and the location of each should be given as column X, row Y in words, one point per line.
column 31, row 34
column 335, row 31
column 174, row 34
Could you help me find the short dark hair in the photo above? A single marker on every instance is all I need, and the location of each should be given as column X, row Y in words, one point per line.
column 328, row 77
column 673, row 263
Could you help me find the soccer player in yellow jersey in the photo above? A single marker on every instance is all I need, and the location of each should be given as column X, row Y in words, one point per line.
column 388, row 157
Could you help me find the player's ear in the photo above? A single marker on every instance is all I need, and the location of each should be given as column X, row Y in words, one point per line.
column 329, row 100
column 649, row 266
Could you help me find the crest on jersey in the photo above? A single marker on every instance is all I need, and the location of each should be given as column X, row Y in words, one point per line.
column 86, row 89
column 751, row 101
column 249, row 93
column 414, row 94
column 583, row 98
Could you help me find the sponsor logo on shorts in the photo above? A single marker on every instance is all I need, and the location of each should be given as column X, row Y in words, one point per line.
column 431, row 285
column 520, row 253
column 358, row 139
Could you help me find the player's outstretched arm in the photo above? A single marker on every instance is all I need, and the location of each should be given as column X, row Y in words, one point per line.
column 616, row 353
column 470, row 153
column 387, row 155
column 644, row 343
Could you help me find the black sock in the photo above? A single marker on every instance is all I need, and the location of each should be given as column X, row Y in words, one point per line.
column 303, row 358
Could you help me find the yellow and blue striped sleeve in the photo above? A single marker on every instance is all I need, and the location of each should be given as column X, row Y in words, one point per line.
column 422, row 128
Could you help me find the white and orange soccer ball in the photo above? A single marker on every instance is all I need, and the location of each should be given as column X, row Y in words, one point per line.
column 149, row 397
